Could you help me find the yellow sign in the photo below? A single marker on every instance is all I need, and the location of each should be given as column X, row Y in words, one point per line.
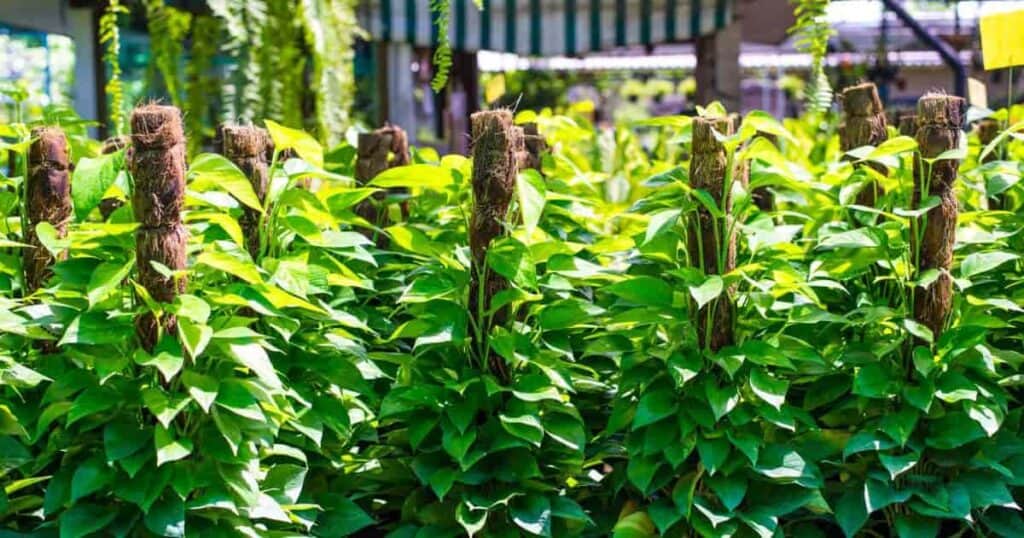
column 1002, row 42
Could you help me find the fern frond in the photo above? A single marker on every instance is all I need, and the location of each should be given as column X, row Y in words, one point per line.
column 443, row 52
column 812, row 33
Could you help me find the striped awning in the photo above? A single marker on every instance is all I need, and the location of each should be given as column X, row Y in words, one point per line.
column 547, row 27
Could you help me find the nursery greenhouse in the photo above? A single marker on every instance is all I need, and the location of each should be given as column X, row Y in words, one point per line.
column 511, row 268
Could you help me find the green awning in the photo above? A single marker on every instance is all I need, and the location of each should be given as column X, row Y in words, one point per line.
column 547, row 27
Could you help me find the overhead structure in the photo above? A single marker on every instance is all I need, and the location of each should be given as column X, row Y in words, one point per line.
column 547, row 27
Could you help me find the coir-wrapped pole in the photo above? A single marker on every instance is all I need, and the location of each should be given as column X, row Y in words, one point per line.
column 940, row 118
column 247, row 147
column 708, row 235
column 377, row 151
column 534, row 147
column 864, row 124
column 47, row 199
column 988, row 130
column 111, row 145
column 494, row 140
column 156, row 160
column 908, row 125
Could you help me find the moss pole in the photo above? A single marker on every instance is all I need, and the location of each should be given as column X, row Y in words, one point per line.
column 156, row 160
column 47, row 199
column 378, row 151
column 864, row 124
column 494, row 140
column 711, row 245
column 247, row 147
column 940, row 118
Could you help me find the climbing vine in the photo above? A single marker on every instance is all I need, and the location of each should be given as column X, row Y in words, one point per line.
column 200, row 83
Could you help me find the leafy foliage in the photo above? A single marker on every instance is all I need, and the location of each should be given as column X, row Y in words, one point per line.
column 332, row 384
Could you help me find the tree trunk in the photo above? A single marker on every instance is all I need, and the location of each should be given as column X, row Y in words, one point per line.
column 940, row 118
column 378, row 151
column 246, row 146
column 156, row 160
column 864, row 124
column 494, row 140
column 707, row 234
column 47, row 199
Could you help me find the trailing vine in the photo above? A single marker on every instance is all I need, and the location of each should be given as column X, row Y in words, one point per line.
column 281, row 55
column 244, row 21
column 200, row 84
column 443, row 52
column 110, row 36
column 330, row 27
column 168, row 27
column 812, row 33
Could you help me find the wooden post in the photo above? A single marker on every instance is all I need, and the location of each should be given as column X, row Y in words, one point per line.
column 494, row 140
column 707, row 233
column 988, row 130
column 940, row 118
column 246, row 146
column 47, row 199
column 864, row 124
column 156, row 160
column 111, row 145
column 377, row 151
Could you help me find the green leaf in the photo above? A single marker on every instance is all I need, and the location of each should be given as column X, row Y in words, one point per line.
column 851, row 513
column 526, row 427
column 167, row 516
column 105, row 278
column 472, row 520
column 210, row 171
column 872, row 381
column 532, row 513
column 231, row 265
column 167, row 358
column 84, row 519
column 47, row 236
column 91, row 179
column 661, row 222
column 722, row 399
column 643, row 290
column 168, row 448
column 425, row 176
column 341, row 516
column 952, row 430
column 654, row 406
column 914, row 526
column 512, row 260
column 531, row 191
column 708, row 291
column 982, row 262
column 90, row 477
column 304, row 145
column 768, row 388
column 202, row 388
column 635, row 525
column 122, row 438
column 729, row 489
column 434, row 472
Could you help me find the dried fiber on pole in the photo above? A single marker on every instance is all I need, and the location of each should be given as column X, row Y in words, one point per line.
column 988, row 130
column 940, row 118
column 534, row 146
column 247, row 147
column 112, row 145
column 864, row 125
column 707, row 234
column 908, row 125
column 47, row 199
column 156, row 160
column 376, row 152
column 494, row 140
